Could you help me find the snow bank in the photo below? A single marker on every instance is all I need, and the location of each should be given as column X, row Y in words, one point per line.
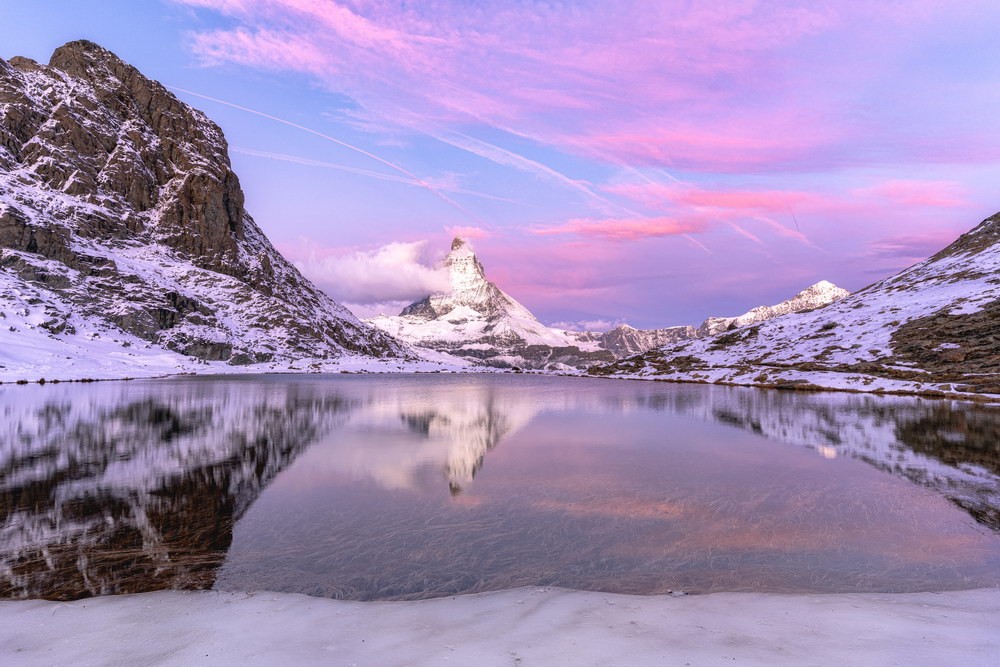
column 518, row 627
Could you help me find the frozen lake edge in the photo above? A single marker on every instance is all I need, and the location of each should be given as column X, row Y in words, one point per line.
column 522, row 626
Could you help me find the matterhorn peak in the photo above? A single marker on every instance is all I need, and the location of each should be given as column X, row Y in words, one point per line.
column 466, row 274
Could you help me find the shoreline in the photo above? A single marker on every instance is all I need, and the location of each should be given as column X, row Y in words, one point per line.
column 524, row 626
column 379, row 367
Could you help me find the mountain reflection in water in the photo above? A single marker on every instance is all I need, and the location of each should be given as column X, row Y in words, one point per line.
column 129, row 487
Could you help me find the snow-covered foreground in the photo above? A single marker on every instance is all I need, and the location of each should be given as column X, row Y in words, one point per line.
column 518, row 627
column 30, row 354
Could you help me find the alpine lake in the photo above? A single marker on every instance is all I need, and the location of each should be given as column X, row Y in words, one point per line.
column 383, row 487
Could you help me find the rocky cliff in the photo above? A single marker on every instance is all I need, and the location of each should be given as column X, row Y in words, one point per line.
column 121, row 218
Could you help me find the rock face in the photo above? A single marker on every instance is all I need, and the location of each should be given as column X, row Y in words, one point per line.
column 624, row 341
column 120, row 214
column 478, row 321
column 931, row 328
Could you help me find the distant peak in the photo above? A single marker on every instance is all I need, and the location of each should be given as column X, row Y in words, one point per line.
column 823, row 287
column 457, row 242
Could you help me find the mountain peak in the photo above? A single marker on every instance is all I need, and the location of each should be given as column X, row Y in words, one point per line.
column 822, row 292
column 79, row 57
column 474, row 311
column 821, row 287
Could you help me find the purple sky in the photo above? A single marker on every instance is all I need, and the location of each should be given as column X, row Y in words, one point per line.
column 649, row 162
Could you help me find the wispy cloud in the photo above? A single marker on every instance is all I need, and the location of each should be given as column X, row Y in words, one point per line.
column 339, row 142
column 758, row 141
column 720, row 86
column 918, row 193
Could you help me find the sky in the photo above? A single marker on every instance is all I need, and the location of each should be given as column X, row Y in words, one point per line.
column 644, row 162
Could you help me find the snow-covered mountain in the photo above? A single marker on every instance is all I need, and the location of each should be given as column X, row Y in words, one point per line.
column 930, row 328
column 123, row 232
column 820, row 294
column 625, row 341
column 478, row 321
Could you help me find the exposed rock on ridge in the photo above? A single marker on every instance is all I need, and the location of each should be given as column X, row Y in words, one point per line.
column 626, row 341
column 120, row 214
column 814, row 296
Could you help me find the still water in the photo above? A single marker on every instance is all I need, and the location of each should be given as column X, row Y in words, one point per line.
column 382, row 487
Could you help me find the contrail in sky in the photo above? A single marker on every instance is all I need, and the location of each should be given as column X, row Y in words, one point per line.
column 339, row 142
column 392, row 178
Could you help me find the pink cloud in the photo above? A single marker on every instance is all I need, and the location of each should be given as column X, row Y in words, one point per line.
column 659, row 195
column 917, row 193
column 627, row 229
column 764, row 107
column 467, row 232
column 264, row 49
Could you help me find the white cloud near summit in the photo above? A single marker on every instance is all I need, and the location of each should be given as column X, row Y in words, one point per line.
column 394, row 272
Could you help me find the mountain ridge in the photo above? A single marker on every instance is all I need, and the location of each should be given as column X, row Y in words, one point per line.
column 479, row 322
column 929, row 329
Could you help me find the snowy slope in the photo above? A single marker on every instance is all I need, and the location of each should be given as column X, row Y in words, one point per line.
column 523, row 626
column 120, row 215
column 930, row 328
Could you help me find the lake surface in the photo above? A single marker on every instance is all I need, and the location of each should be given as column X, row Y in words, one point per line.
column 405, row 487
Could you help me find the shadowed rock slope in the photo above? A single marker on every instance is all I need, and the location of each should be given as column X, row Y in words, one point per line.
column 121, row 218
